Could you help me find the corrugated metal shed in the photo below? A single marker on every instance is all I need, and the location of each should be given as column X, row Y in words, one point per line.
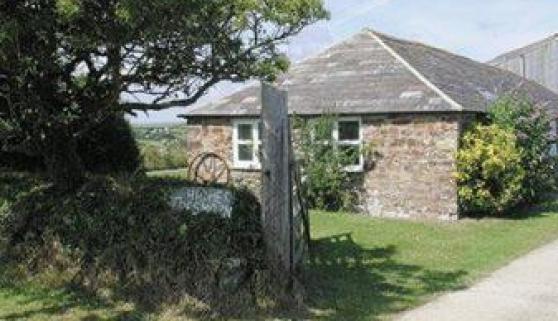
column 376, row 73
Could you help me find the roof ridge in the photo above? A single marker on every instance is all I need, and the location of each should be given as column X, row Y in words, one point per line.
column 414, row 71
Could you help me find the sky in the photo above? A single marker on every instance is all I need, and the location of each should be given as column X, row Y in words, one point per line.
column 479, row 29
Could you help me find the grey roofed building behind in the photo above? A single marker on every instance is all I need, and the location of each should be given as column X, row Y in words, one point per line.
column 537, row 61
column 375, row 73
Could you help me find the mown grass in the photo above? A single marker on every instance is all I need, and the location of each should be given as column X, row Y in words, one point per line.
column 371, row 269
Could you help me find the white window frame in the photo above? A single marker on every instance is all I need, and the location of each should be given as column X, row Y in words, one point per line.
column 256, row 142
column 353, row 168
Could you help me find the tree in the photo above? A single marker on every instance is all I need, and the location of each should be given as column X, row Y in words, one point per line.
column 531, row 125
column 66, row 64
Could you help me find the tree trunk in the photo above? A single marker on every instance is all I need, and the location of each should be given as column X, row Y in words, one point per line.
column 63, row 164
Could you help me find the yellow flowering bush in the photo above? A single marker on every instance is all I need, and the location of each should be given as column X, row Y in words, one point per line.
column 489, row 170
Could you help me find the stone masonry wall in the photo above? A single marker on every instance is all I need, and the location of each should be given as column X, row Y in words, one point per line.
column 215, row 135
column 411, row 177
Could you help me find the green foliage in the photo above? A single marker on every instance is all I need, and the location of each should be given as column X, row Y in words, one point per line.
column 490, row 173
column 17, row 161
column 110, row 148
column 65, row 64
column 68, row 8
column 325, row 183
column 12, row 185
column 490, row 177
column 531, row 125
column 124, row 228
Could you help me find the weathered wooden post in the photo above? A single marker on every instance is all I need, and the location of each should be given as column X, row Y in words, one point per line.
column 284, row 214
column 276, row 185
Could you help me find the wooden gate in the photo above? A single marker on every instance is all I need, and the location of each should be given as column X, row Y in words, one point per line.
column 285, row 216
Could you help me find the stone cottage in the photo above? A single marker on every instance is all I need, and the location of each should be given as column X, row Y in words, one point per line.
column 411, row 100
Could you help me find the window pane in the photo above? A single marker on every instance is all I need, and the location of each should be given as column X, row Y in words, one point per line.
column 245, row 152
column 353, row 154
column 260, row 130
column 245, row 131
column 349, row 130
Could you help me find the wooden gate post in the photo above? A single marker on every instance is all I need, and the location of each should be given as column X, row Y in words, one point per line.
column 276, row 182
column 284, row 214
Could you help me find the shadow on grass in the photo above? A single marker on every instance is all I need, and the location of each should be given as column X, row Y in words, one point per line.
column 348, row 282
column 344, row 281
column 29, row 301
column 547, row 206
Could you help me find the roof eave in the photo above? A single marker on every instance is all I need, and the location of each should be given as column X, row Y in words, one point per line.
column 399, row 112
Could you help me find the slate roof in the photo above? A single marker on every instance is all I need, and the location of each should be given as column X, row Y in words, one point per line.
column 376, row 73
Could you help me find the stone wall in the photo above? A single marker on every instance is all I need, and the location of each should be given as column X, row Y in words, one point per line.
column 412, row 175
column 215, row 135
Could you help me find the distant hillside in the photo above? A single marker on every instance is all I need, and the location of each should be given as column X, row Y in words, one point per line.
column 162, row 146
column 158, row 133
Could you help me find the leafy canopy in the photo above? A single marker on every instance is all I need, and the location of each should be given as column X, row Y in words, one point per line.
column 66, row 65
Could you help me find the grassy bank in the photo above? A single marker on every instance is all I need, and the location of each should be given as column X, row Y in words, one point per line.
column 359, row 269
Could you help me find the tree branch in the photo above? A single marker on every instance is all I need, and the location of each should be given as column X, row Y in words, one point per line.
column 138, row 106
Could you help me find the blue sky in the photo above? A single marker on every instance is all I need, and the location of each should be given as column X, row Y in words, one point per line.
column 475, row 28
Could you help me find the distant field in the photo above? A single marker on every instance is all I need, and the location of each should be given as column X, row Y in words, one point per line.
column 171, row 173
column 163, row 147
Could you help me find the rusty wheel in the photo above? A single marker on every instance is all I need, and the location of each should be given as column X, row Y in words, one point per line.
column 210, row 168
column 192, row 166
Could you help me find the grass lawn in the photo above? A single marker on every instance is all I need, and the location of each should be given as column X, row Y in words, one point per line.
column 29, row 301
column 370, row 269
